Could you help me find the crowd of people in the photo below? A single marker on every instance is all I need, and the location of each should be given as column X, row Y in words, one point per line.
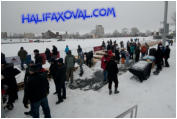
column 36, row 85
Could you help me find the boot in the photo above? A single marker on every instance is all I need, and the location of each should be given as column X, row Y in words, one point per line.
column 9, row 106
column 110, row 92
column 116, row 91
column 59, row 101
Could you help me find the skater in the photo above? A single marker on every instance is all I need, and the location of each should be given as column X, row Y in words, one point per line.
column 37, row 91
column 103, row 45
column 54, row 52
column 60, row 81
column 159, row 58
column 143, row 51
column 25, row 97
column 104, row 61
column 48, row 54
column 167, row 55
column 81, row 62
column 3, row 59
column 112, row 70
column 37, row 57
column 137, row 53
column 127, row 57
column 22, row 54
column 66, row 49
column 132, row 49
column 79, row 49
column 9, row 72
column 89, row 56
column 53, row 70
column 117, row 55
column 69, row 62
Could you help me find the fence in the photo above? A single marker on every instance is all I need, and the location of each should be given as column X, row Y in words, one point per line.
column 133, row 112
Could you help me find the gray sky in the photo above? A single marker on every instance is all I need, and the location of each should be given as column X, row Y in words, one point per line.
column 143, row 15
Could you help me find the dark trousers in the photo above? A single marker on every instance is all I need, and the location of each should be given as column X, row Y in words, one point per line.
column 115, row 82
column 45, row 107
column 22, row 64
column 166, row 62
column 137, row 58
column 63, row 88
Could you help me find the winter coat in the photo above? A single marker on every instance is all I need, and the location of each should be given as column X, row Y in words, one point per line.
column 122, row 54
column 55, row 51
column 79, row 50
column 66, row 50
column 9, row 73
column 60, row 75
column 81, row 58
column 110, row 53
column 112, row 70
column 53, row 70
column 3, row 59
column 143, row 49
column 137, row 51
column 22, row 54
column 69, row 61
column 167, row 53
column 132, row 48
column 48, row 54
column 104, row 61
column 159, row 55
column 38, row 59
column 37, row 87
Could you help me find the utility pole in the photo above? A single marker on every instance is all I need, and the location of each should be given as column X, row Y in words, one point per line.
column 165, row 23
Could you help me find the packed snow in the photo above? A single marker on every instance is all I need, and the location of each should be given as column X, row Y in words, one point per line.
column 155, row 97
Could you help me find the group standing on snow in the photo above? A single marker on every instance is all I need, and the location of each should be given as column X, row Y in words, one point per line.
column 36, row 85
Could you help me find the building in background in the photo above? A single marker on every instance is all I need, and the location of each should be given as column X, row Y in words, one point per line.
column 3, row 34
column 99, row 31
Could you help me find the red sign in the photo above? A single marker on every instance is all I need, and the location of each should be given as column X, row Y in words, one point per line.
column 98, row 48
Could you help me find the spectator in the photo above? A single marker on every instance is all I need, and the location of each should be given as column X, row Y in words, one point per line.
column 48, row 54
column 69, row 62
column 37, row 91
column 167, row 55
column 22, row 54
column 112, row 70
column 66, row 49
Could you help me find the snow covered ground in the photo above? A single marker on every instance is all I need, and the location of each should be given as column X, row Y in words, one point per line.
column 155, row 97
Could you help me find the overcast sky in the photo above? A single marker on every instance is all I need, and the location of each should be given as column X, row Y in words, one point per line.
column 143, row 15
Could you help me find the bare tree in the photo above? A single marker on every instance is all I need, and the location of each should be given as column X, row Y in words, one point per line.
column 115, row 33
column 124, row 31
column 134, row 31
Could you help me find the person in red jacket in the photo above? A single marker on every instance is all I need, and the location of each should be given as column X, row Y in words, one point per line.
column 104, row 61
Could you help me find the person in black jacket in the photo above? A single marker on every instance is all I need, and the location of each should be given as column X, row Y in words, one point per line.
column 26, row 79
column 117, row 55
column 54, row 51
column 37, row 57
column 137, row 53
column 167, row 55
column 159, row 58
column 53, row 70
column 3, row 59
column 48, row 54
column 37, row 91
column 60, row 81
column 9, row 72
column 112, row 70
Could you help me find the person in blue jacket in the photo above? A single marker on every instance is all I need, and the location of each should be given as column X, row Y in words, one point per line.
column 66, row 49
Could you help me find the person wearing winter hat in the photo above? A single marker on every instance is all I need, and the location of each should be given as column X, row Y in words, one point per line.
column 37, row 91
column 60, row 81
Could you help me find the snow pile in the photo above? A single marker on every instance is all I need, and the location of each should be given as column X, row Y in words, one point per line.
column 140, row 65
